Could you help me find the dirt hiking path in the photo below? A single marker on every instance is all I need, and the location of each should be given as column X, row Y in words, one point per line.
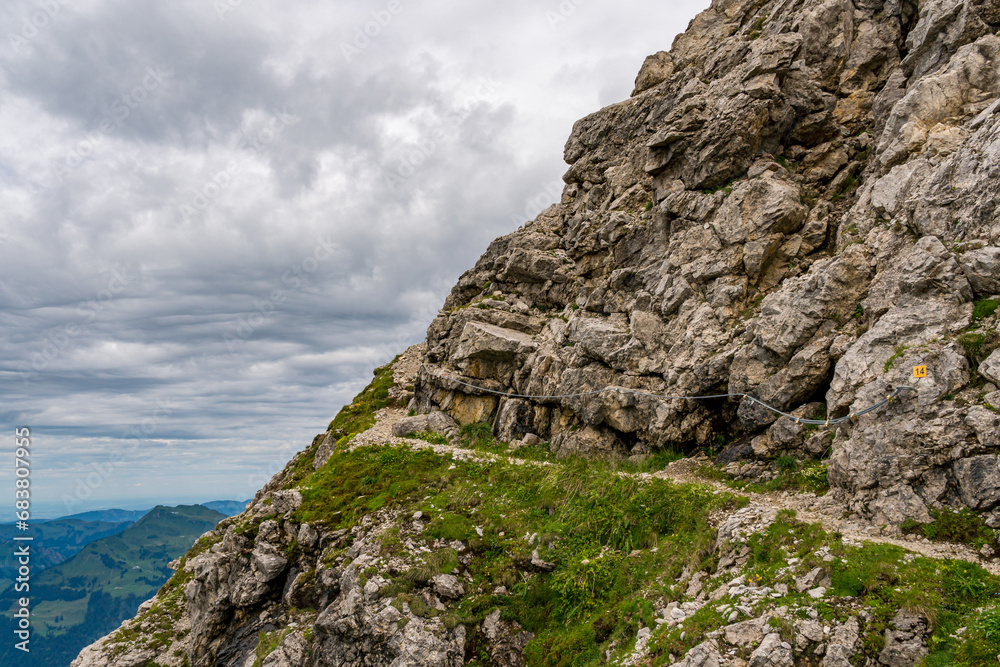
column 807, row 507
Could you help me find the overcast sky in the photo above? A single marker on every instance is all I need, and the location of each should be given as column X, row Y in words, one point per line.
column 217, row 216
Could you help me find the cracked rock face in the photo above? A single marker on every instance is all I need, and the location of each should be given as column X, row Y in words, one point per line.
column 799, row 202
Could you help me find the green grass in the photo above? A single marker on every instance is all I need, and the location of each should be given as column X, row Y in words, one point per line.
column 588, row 520
column 849, row 184
column 963, row 526
column 984, row 308
column 789, row 165
column 360, row 414
column 896, row 354
column 758, row 27
column 433, row 438
column 658, row 460
column 793, row 475
column 979, row 345
column 726, row 189
column 268, row 643
column 352, row 484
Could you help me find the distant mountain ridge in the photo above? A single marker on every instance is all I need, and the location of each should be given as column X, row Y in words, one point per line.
column 89, row 594
column 115, row 515
column 55, row 541
column 112, row 515
column 227, row 507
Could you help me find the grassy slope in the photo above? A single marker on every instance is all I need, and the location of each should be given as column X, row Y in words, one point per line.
column 55, row 542
column 619, row 547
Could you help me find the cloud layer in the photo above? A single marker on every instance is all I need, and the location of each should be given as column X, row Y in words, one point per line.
column 218, row 217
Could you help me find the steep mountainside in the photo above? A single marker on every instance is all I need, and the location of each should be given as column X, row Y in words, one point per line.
column 799, row 204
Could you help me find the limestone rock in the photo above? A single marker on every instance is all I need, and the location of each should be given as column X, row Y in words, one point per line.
column 904, row 641
column 448, row 586
column 842, row 644
column 772, row 652
column 705, row 654
column 745, row 633
column 435, row 422
column 990, row 368
column 979, row 481
column 982, row 268
column 268, row 561
column 813, row 578
column 324, row 450
column 655, row 69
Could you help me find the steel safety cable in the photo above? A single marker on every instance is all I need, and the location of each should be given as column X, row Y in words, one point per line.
column 801, row 420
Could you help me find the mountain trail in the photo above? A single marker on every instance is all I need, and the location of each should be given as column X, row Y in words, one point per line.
column 824, row 510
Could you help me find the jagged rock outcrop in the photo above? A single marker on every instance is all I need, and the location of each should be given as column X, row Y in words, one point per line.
column 287, row 581
column 798, row 202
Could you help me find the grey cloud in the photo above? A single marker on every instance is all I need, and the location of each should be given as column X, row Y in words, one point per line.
column 229, row 314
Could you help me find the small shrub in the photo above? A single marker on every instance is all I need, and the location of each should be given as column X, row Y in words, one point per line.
column 787, row 463
column 984, row 308
column 896, row 354
column 963, row 526
column 477, row 436
column 978, row 345
column 449, row 527
column 582, row 584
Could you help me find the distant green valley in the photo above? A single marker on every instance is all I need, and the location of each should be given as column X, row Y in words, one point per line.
column 96, row 574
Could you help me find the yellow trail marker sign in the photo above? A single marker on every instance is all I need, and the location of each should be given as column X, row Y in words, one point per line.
column 920, row 371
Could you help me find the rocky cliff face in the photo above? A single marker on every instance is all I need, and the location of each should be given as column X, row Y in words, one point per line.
column 799, row 202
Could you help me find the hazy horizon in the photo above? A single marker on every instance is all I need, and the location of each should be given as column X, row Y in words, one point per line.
column 56, row 511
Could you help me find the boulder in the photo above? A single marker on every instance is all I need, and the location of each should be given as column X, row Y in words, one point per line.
column 982, row 269
column 843, row 644
column 990, row 368
column 448, row 586
column 772, row 652
column 904, row 641
column 434, row 422
column 268, row 561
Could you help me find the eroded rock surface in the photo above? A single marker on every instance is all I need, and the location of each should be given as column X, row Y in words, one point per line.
column 799, row 202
